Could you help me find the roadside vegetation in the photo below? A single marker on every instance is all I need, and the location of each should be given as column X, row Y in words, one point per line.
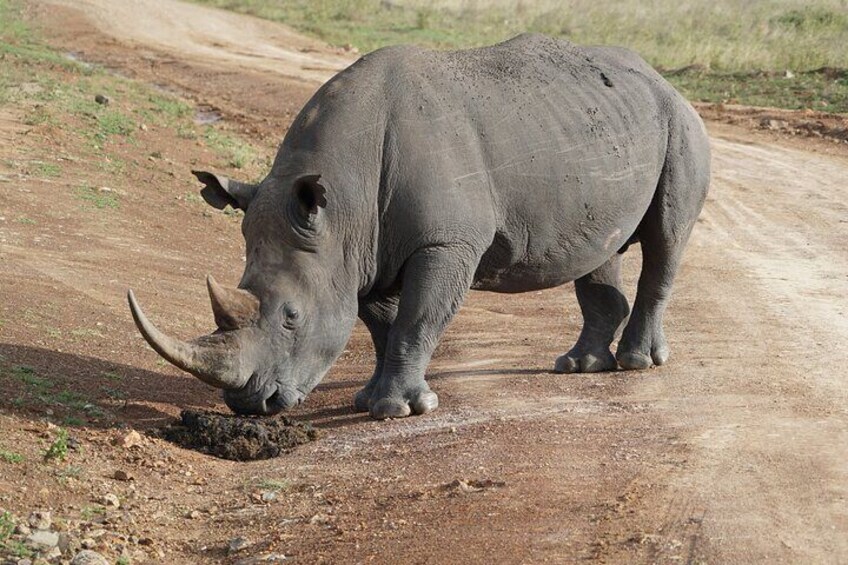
column 106, row 113
column 782, row 53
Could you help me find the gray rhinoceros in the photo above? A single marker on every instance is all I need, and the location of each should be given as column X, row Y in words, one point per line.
column 413, row 176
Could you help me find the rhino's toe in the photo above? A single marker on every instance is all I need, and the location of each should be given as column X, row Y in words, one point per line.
column 419, row 403
column 595, row 362
column 636, row 360
column 362, row 400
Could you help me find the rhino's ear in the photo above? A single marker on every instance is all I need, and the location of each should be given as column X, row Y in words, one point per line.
column 221, row 191
column 310, row 195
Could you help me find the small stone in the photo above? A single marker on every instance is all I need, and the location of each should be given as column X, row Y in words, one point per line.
column 110, row 500
column 265, row 558
column 237, row 544
column 22, row 529
column 41, row 520
column 43, row 539
column 24, row 561
column 319, row 519
column 101, row 99
column 269, row 496
column 193, row 515
column 54, row 553
column 129, row 440
column 88, row 557
column 121, row 475
column 88, row 543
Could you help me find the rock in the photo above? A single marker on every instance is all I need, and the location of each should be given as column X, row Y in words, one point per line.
column 41, row 520
column 24, row 561
column 101, row 99
column 88, row 557
column 110, row 500
column 129, row 440
column 22, row 529
column 121, row 475
column 193, row 515
column 266, row 558
column 237, row 544
column 54, row 553
column 88, row 543
column 319, row 519
column 269, row 496
column 43, row 539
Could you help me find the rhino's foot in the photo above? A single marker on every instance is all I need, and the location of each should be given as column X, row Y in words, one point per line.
column 381, row 407
column 585, row 362
column 362, row 399
column 643, row 355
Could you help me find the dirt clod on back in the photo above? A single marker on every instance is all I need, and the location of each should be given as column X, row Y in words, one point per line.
column 238, row 438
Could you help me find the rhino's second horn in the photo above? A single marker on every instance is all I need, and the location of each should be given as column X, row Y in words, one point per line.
column 214, row 359
column 234, row 308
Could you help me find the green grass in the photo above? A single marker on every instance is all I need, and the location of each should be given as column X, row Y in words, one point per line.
column 89, row 512
column 236, row 153
column 731, row 44
column 58, row 450
column 96, row 198
column 10, row 456
column 47, row 169
column 11, row 547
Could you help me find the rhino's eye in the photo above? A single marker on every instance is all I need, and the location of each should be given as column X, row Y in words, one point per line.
column 290, row 315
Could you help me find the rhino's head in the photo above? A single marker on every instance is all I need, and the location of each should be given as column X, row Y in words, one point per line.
column 282, row 329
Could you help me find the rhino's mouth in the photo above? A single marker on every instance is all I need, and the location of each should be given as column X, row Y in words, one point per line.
column 263, row 404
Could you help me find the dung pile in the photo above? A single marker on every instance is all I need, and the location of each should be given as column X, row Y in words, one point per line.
column 238, row 438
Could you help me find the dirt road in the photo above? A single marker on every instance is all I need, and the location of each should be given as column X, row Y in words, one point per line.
column 735, row 452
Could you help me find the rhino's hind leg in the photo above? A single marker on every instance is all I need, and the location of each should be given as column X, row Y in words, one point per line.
column 605, row 311
column 435, row 281
column 663, row 234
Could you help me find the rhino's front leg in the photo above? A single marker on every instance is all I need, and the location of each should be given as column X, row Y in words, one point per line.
column 434, row 284
column 378, row 313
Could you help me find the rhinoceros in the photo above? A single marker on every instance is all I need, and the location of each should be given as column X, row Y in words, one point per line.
column 415, row 175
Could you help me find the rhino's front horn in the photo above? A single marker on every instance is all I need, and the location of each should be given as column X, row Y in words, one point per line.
column 234, row 308
column 214, row 359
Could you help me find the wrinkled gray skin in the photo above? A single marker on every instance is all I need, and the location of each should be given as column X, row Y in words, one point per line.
column 511, row 168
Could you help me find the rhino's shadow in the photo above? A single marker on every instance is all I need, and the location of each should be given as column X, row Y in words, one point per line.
column 75, row 390
column 342, row 415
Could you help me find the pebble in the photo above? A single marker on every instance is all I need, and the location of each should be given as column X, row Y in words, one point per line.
column 121, row 475
column 22, row 529
column 194, row 515
column 237, row 544
column 88, row 543
column 88, row 557
column 41, row 520
column 110, row 499
column 267, row 558
column 129, row 440
column 43, row 539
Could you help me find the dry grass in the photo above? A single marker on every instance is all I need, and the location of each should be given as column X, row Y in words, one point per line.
column 722, row 35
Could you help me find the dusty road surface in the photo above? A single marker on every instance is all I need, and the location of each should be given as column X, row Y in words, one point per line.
column 735, row 452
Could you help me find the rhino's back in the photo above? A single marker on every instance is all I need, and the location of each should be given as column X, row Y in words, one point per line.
column 555, row 148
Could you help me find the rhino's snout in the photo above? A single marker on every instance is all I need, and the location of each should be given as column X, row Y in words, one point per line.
column 279, row 400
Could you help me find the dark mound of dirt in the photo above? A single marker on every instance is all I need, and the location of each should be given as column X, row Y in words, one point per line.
column 238, row 438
